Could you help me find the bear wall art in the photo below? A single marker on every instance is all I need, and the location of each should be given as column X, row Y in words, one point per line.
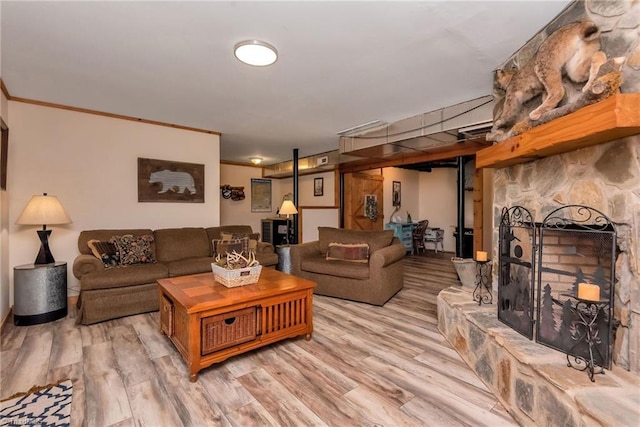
column 168, row 181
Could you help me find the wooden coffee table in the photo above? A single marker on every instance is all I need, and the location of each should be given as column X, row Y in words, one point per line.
column 208, row 322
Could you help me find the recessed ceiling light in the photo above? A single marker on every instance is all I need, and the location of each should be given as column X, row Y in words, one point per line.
column 256, row 160
column 255, row 52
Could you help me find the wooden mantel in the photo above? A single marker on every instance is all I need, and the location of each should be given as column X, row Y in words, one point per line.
column 615, row 117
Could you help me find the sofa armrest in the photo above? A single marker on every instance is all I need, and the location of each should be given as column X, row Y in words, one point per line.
column 84, row 264
column 388, row 255
column 301, row 251
column 265, row 248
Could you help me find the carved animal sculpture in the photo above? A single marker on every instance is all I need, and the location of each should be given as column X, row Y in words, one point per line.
column 572, row 51
column 170, row 180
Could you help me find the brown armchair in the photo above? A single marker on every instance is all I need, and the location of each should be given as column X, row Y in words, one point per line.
column 373, row 281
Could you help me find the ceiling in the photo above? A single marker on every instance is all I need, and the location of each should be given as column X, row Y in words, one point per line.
column 340, row 64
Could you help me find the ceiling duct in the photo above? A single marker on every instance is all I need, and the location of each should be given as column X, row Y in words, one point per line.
column 435, row 131
column 424, row 132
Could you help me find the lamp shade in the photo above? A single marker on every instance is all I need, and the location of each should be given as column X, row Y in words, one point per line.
column 288, row 208
column 42, row 210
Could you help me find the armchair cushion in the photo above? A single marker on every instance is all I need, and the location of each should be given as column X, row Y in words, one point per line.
column 350, row 252
column 320, row 265
column 375, row 239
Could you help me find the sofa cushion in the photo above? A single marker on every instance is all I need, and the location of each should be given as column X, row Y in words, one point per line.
column 254, row 238
column 350, row 252
column 320, row 265
column 214, row 232
column 105, row 235
column 177, row 243
column 376, row 239
column 186, row 266
column 122, row 277
column 107, row 252
column 224, row 247
column 134, row 249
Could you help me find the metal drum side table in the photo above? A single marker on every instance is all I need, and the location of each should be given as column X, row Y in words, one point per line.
column 40, row 293
column 284, row 258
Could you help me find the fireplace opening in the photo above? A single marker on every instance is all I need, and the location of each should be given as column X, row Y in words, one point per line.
column 556, row 278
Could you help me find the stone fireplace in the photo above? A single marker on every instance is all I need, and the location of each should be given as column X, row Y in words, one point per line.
column 607, row 178
column 589, row 157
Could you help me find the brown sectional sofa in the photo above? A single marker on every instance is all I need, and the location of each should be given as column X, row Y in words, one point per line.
column 109, row 293
column 373, row 282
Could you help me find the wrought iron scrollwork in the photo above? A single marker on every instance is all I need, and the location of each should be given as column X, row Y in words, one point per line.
column 516, row 216
column 577, row 217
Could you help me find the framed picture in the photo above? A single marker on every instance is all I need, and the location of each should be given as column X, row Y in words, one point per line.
column 318, row 186
column 260, row 195
column 169, row 181
column 396, row 193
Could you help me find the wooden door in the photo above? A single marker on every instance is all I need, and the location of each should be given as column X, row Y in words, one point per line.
column 357, row 188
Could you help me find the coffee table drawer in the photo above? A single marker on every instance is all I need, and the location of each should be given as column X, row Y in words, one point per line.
column 228, row 329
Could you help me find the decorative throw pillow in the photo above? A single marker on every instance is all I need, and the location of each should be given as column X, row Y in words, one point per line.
column 224, row 247
column 105, row 251
column 254, row 238
column 352, row 252
column 134, row 249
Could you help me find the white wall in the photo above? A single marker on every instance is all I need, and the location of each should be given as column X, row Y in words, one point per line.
column 239, row 212
column 90, row 163
column 305, row 189
column 5, row 292
column 438, row 202
column 409, row 194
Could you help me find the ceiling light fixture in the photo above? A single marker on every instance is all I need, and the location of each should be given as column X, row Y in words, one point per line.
column 256, row 160
column 255, row 52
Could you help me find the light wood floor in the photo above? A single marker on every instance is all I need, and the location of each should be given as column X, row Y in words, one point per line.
column 365, row 366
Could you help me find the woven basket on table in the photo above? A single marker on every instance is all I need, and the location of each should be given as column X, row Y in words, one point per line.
column 237, row 277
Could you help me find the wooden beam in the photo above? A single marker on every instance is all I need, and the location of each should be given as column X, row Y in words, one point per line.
column 613, row 118
column 467, row 148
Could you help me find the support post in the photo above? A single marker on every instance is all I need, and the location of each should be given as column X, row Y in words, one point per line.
column 460, row 216
column 295, row 196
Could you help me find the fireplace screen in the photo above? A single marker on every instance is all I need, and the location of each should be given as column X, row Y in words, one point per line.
column 559, row 276
column 516, row 267
column 577, row 251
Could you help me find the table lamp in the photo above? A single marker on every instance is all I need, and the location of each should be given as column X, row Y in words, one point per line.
column 44, row 210
column 287, row 208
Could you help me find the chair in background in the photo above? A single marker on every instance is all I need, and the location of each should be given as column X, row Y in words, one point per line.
column 418, row 236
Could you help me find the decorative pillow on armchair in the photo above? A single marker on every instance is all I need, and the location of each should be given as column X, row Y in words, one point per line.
column 254, row 238
column 352, row 252
column 105, row 251
column 134, row 249
column 223, row 247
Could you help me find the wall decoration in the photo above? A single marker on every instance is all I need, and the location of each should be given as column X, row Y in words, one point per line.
column 233, row 193
column 371, row 207
column 169, row 181
column 318, row 186
column 396, row 193
column 260, row 195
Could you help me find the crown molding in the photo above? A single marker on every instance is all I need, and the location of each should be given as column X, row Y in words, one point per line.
column 4, row 90
column 101, row 113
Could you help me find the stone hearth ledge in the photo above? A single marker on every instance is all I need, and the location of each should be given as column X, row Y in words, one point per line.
column 532, row 381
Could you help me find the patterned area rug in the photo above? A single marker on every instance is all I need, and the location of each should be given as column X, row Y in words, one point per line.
column 49, row 405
